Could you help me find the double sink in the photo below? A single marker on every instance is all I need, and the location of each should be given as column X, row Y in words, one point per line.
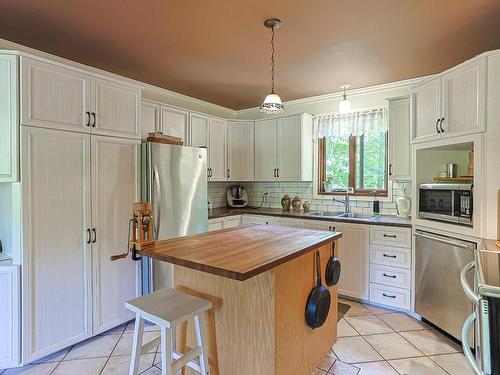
column 346, row 215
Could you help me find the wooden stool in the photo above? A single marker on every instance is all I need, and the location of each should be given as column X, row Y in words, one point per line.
column 168, row 308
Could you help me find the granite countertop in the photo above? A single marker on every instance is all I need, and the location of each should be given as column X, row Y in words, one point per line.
column 389, row 220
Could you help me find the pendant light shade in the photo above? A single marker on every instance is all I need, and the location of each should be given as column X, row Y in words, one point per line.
column 272, row 104
column 345, row 104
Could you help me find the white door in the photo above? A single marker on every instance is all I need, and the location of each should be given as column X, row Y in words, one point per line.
column 217, row 150
column 10, row 295
column 56, row 253
column 114, row 190
column 240, row 149
column 9, row 125
column 464, row 96
column 53, row 96
column 199, row 130
column 289, row 137
column 426, row 111
column 266, row 163
column 174, row 122
column 150, row 118
column 115, row 108
column 399, row 139
column 353, row 253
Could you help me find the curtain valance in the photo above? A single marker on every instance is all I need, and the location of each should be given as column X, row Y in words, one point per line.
column 354, row 123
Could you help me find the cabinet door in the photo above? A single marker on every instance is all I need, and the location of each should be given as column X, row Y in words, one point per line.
column 353, row 254
column 56, row 255
column 240, row 149
column 266, row 144
column 10, row 292
column 53, row 96
column 317, row 224
column 174, row 122
column 215, row 224
column 289, row 154
column 254, row 219
column 9, row 126
column 115, row 107
column 399, row 139
column 217, row 150
column 114, row 189
column 464, row 92
column 232, row 221
column 426, row 110
column 150, row 118
column 199, row 131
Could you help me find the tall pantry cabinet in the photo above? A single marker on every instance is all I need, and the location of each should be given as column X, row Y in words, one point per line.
column 79, row 141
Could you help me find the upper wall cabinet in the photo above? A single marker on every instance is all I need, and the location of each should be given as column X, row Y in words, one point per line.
column 240, row 150
column 150, row 118
column 198, row 135
column 399, row 139
column 9, row 126
column 217, row 150
column 175, row 122
column 450, row 105
column 283, row 149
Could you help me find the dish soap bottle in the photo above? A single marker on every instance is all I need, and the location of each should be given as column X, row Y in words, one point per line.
column 376, row 203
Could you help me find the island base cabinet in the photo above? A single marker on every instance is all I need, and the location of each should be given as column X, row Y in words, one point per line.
column 258, row 326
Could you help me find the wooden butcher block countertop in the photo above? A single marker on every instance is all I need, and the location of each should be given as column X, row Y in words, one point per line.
column 241, row 252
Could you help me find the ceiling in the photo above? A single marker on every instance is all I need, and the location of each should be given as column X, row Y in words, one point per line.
column 219, row 51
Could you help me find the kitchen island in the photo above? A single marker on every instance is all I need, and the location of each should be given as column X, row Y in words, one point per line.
column 258, row 278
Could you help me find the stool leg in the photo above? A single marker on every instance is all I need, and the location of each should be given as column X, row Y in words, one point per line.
column 166, row 351
column 200, row 341
column 135, row 358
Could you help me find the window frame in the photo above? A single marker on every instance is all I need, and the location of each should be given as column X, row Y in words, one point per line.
column 352, row 170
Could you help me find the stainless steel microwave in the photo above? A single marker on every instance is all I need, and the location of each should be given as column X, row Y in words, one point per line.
column 446, row 202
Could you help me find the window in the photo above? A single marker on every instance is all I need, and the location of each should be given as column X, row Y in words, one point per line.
column 350, row 160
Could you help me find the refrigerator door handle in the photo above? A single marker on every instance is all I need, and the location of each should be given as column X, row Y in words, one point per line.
column 156, row 202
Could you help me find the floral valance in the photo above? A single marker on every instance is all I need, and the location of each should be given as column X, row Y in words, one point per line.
column 354, row 123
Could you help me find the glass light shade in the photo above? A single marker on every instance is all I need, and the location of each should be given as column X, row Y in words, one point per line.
column 344, row 106
column 272, row 105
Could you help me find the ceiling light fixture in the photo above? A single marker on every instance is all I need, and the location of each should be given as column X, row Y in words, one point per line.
column 272, row 104
column 345, row 104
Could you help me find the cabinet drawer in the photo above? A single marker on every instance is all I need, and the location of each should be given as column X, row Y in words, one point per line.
column 215, row 224
column 232, row 221
column 390, row 296
column 254, row 219
column 392, row 276
column 392, row 236
column 390, row 256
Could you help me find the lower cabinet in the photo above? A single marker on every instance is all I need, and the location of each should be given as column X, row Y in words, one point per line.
column 224, row 222
column 255, row 219
column 10, row 315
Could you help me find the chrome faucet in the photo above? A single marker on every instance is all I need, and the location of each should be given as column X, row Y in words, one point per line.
column 346, row 201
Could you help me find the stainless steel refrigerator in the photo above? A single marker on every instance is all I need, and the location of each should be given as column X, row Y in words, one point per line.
column 174, row 180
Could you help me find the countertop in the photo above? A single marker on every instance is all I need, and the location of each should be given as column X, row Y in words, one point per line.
column 390, row 220
column 241, row 252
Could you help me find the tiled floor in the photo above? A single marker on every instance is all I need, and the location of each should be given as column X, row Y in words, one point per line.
column 375, row 341
column 372, row 341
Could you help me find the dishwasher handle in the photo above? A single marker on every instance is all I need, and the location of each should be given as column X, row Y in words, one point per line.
column 443, row 240
column 465, row 285
column 465, row 343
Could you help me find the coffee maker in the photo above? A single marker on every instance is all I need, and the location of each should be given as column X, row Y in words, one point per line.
column 236, row 196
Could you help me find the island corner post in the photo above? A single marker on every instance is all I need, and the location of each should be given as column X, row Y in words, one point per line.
column 258, row 278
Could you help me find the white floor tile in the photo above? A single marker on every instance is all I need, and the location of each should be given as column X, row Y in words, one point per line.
column 429, row 343
column 152, row 371
column 56, row 357
column 392, row 346
column 401, row 322
column 377, row 310
column 147, row 327
column 345, row 330
column 357, row 309
column 355, row 349
column 376, row 368
column 39, row 369
column 89, row 366
column 119, row 365
column 454, row 364
column 327, row 363
column 417, row 366
column 116, row 331
column 341, row 368
column 98, row 346
column 124, row 346
column 368, row 324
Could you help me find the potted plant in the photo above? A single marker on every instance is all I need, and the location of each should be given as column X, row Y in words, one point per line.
column 327, row 184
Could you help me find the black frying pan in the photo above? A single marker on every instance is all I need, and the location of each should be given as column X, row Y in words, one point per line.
column 318, row 302
column 332, row 272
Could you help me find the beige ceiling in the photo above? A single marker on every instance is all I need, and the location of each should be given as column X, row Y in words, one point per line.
column 219, row 51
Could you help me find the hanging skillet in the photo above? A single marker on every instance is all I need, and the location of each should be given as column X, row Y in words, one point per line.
column 318, row 302
column 332, row 272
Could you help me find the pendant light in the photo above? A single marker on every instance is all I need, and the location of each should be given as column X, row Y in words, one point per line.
column 272, row 104
column 345, row 104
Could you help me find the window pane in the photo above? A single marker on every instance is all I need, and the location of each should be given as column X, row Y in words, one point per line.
column 337, row 161
column 370, row 161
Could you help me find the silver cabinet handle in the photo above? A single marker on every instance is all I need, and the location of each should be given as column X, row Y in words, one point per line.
column 443, row 240
column 156, row 203
column 465, row 343
column 465, row 285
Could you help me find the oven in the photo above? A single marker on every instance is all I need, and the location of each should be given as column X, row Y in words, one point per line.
column 446, row 202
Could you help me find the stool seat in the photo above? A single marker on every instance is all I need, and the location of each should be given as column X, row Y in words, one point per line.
column 168, row 307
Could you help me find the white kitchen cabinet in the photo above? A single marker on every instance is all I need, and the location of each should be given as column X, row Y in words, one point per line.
column 215, row 224
column 54, row 96
column 115, row 108
column 399, row 139
column 353, row 253
column 426, row 110
column 199, row 128
column 114, row 189
column 283, row 149
column 9, row 122
column 175, row 122
column 232, row 221
column 57, row 290
column 284, row 221
column 217, row 150
column 240, row 150
column 224, row 222
column 254, row 219
column 317, row 224
column 10, row 327
column 150, row 118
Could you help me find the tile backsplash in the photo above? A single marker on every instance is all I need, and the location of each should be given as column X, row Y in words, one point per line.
column 276, row 190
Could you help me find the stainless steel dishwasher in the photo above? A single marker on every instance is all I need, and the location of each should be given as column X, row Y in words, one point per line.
column 439, row 297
